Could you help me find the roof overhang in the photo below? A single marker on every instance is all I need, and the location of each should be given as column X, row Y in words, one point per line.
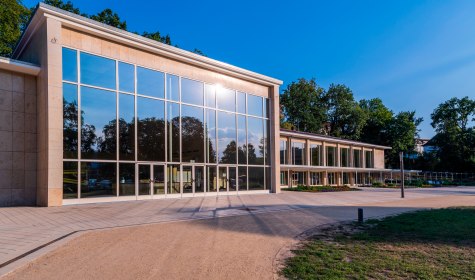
column 19, row 66
column 101, row 30
column 317, row 137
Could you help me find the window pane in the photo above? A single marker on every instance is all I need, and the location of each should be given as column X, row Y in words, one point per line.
column 158, row 179
column 70, row 65
column 283, row 152
column 242, row 138
column 266, row 107
column 70, row 121
column 173, row 89
column 126, row 77
column 315, row 154
column 369, row 159
column 298, row 153
column 242, row 178
column 284, row 178
column 173, row 130
column 191, row 92
column 331, row 156
column 211, row 136
column 226, row 137
column 241, row 105
column 70, row 180
column 98, row 179
column 173, row 179
column 256, row 178
column 344, row 157
column 126, row 127
column 150, row 82
column 212, row 179
column 192, row 133
column 254, row 105
column 210, row 95
column 150, row 129
column 98, row 129
column 97, row 71
column 126, row 179
column 226, row 99
column 356, row 158
column 255, row 141
column 266, row 142
column 267, row 183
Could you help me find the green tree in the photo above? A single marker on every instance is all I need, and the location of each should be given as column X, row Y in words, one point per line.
column 378, row 119
column 401, row 132
column 345, row 117
column 68, row 6
column 302, row 105
column 455, row 138
column 107, row 16
column 157, row 37
column 13, row 18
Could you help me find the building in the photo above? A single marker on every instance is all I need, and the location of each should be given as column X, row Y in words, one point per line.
column 91, row 113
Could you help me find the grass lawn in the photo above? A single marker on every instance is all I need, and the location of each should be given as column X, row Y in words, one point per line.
column 432, row 244
column 320, row 189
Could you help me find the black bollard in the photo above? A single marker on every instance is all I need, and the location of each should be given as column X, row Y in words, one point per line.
column 360, row 215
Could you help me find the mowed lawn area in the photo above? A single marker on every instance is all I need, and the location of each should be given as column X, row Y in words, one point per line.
column 429, row 244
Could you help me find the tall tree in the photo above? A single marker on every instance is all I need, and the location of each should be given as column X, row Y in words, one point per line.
column 345, row 117
column 107, row 16
column 378, row 119
column 302, row 105
column 68, row 6
column 13, row 18
column 455, row 137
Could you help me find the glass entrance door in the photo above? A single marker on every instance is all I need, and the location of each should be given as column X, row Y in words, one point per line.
column 151, row 179
column 193, row 178
column 227, row 179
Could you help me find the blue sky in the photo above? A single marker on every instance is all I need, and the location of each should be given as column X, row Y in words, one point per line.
column 412, row 54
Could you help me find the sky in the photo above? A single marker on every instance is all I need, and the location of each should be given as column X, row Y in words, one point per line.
column 413, row 54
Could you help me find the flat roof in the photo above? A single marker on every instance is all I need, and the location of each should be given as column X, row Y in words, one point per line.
column 19, row 66
column 319, row 137
column 127, row 38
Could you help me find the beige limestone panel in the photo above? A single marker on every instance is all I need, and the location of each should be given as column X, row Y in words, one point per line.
column 30, row 103
column 6, row 80
column 55, row 197
column 18, row 121
column 30, row 123
column 378, row 158
column 6, row 181
column 18, row 83
column 18, row 102
column 18, row 179
column 18, row 143
column 6, row 160
column 6, row 100
column 6, row 141
column 30, row 85
column 30, row 179
column 6, row 118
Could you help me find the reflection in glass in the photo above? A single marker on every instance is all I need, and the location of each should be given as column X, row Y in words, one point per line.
column 255, row 141
column 150, row 129
column 192, row 133
column 98, row 129
column 70, row 65
column 212, row 179
column 284, row 180
column 199, row 179
column 256, row 178
column 150, row 82
column 315, row 178
column 191, row 92
column 126, row 179
column 266, row 108
column 97, row 71
column 331, row 156
column 223, row 179
column 298, row 153
column 266, row 142
column 145, row 178
column 254, row 105
column 70, row 121
column 241, row 102
column 173, row 89
column 226, row 137
column 241, row 139
column 126, row 127
column 242, row 178
column 211, row 136
column 70, row 179
column 267, row 181
column 210, row 93
column 369, row 159
column 158, row 179
column 356, row 158
column 345, row 157
column 126, row 77
column 232, row 182
column 226, row 99
column 315, row 154
column 98, row 179
column 173, row 130
column 173, row 179
column 283, row 151
column 187, row 179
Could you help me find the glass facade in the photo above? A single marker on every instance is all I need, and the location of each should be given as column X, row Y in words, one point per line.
column 298, row 153
column 344, row 157
column 369, row 162
column 134, row 131
column 315, row 154
column 331, row 156
column 283, row 152
column 356, row 158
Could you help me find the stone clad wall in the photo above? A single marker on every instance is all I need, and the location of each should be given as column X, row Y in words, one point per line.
column 18, row 151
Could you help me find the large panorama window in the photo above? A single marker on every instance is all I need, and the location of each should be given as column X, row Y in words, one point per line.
column 125, row 126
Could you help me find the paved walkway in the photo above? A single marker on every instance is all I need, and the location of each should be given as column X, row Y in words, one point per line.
column 266, row 222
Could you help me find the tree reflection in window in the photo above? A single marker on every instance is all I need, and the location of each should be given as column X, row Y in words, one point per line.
column 150, row 129
column 192, row 133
